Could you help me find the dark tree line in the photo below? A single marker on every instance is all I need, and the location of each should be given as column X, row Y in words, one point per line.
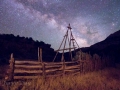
column 23, row 48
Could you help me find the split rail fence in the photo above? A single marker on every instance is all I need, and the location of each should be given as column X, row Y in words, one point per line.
column 27, row 69
column 33, row 69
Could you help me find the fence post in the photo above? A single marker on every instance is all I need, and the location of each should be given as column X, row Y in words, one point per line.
column 83, row 67
column 39, row 54
column 63, row 68
column 43, row 67
column 80, row 66
column 11, row 72
column 63, row 65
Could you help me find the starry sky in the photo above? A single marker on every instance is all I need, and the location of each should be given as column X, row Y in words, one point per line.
column 47, row 20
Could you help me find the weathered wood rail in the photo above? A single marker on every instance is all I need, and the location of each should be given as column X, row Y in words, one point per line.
column 34, row 69
column 27, row 69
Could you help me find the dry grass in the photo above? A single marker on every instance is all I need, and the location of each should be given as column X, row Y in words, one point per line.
column 107, row 79
column 3, row 69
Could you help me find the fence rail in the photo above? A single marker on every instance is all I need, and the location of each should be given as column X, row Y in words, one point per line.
column 34, row 69
column 27, row 69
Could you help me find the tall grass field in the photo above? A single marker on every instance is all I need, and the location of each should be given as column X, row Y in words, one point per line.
column 107, row 79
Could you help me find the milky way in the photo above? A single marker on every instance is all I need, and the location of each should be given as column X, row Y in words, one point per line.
column 47, row 20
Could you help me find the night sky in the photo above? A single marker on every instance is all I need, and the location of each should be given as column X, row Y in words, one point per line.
column 47, row 20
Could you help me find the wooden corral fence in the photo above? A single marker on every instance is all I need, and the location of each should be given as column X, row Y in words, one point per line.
column 27, row 69
column 33, row 69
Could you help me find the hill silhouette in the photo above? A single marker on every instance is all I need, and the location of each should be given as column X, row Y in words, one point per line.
column 23, row 48
column 108, row 47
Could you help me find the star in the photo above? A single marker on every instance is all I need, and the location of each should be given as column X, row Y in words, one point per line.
column 113, row 24
column 47, row 20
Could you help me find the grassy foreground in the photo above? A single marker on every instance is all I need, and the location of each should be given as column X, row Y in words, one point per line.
column 107, row 79
column 3, row 69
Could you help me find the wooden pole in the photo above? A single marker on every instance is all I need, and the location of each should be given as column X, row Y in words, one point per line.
column 44, row 74
column 40, row 54
column 80, row 66
column 58, row 49
column 63, row 59
column 83, row 69
column 11, row 72
column 70, row 46
column 63, row 65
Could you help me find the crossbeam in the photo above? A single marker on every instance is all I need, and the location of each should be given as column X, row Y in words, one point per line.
column 65, row 49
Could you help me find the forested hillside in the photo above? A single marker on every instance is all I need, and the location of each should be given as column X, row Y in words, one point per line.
column 23, row 48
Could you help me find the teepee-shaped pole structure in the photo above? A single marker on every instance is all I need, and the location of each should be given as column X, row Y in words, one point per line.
column 71, row 43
